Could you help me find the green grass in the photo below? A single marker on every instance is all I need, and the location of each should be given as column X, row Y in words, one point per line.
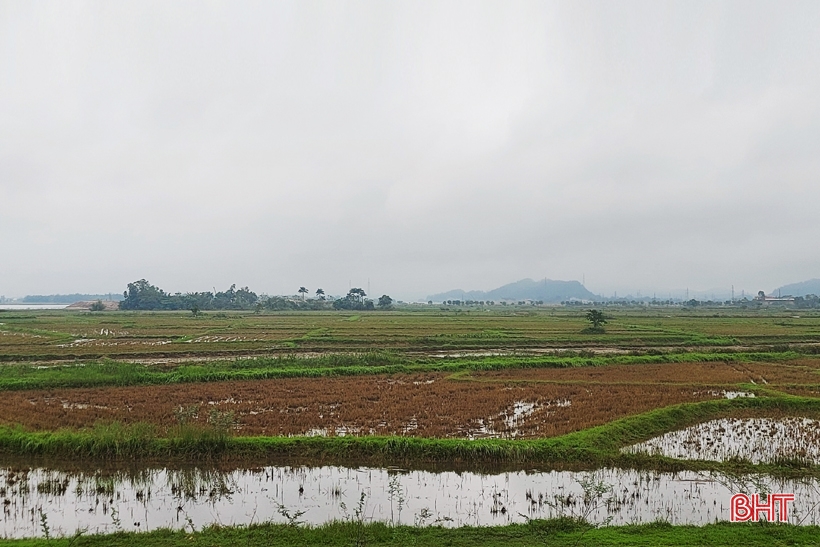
column 559, row 532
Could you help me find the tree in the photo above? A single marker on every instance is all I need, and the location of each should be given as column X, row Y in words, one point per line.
column 596, row 317
column 141, row 295
column 356, row 293
column 385, row 302
column 303, row 291
column 354, row 300
column 320, row 294
column 97, row 306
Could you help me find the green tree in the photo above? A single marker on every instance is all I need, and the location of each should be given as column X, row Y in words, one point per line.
column 320, row 294
column 303, row 291
column 385, row 302
column 141, row 295
column 596, row 317
column 97, row 306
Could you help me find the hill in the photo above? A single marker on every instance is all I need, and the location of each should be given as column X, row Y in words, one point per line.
column 548, row 290
column 812, row 286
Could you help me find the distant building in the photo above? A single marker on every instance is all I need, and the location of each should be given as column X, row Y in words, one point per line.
column 761, row 297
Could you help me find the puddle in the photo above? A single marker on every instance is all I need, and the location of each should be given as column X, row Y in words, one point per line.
column 738, row 395
column 506, row 424
column 726, row 394
column 759, row 440
column 148, row 499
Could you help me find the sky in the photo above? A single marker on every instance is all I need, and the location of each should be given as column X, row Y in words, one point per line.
column 408, row 147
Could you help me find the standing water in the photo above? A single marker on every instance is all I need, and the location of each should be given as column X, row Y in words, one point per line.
column 37, row 499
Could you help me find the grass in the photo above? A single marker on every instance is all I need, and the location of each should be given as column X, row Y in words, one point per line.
column 558, row 532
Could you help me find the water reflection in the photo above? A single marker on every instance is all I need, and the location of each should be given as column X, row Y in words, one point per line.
column 754, row 439
column 147, row 499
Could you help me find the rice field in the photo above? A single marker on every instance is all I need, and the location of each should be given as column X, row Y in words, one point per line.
column 754, row 439
column 148, row 498
column 669, row 397
column 512, row 374
column 426, row 405
column 61, row 335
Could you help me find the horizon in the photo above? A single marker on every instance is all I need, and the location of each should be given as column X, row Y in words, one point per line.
column 717, row 293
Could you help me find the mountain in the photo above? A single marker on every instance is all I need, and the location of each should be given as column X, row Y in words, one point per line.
column 812, row 286
column 547, row 290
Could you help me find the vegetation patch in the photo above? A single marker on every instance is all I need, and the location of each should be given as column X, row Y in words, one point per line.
column 558, row 532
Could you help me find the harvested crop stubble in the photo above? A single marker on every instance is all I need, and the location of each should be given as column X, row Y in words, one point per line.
column 689, row 373
column 426, row 405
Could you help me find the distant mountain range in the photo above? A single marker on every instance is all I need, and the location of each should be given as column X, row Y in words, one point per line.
column 812, row 286
column 548, row 290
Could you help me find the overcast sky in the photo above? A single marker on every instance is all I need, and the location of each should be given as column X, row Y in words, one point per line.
column 424, row 146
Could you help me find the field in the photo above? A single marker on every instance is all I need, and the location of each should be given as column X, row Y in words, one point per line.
column 166, row 336
column 424, row 388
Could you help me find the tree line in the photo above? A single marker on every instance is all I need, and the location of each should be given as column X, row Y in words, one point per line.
column 142, row 295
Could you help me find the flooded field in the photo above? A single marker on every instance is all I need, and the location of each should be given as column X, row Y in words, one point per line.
column 423, row 405
column 755, row 439
column 193, row 498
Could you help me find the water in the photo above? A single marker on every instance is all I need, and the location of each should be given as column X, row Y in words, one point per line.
column 147, row 499
column 754, row 439
column 512, row 418
column 33, row 306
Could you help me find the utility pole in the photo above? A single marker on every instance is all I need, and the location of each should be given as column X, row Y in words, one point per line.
column 733, row 294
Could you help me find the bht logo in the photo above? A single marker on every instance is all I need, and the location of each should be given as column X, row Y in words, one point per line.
column 745, row 508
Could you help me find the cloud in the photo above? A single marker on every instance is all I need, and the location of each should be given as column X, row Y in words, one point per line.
column 421, row 146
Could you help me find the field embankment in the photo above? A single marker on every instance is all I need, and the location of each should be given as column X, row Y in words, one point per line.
column 559, row 532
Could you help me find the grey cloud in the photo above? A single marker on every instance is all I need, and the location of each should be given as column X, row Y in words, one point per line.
column 423, row 146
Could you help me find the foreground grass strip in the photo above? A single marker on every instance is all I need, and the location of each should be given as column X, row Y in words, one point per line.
column 558, row 532
column 594, row 447
column 115, row 373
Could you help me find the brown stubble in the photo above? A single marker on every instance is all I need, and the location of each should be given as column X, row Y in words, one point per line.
column 426, row 405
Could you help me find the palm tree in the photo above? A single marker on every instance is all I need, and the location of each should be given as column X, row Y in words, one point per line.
column 303, row 291
column 320, row 294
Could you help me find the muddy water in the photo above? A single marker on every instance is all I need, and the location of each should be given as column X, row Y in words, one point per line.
column 754, row 439
column 97, row 502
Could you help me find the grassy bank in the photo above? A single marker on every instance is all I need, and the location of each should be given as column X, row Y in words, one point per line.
column 559, row 532
column 116, row 373
column 590, row 448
